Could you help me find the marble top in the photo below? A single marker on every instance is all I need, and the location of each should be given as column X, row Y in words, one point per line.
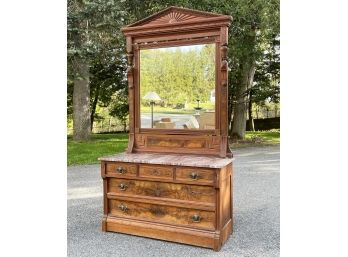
column 171, row 159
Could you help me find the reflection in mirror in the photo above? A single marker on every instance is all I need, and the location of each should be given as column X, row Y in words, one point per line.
column 177, row 87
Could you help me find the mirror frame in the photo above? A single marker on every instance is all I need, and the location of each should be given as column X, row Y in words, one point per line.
column 155, row 32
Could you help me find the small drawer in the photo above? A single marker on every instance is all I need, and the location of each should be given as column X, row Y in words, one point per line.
column 198, row 175
column 153, row 171
column 165, row 214
column 121, row 169
column 132, row 187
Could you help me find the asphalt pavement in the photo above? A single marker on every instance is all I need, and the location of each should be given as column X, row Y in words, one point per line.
column 256, row 213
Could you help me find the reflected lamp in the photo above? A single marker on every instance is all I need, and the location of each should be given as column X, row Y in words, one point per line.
column 152, row 97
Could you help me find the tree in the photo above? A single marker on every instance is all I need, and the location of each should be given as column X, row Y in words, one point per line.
column 94, row 39
column 255, row 27
column 180, row 74
column 93, row 31
column 267, row 76
column 265, row 88
column 106, row 80
column 79, row 70
column 119, row 107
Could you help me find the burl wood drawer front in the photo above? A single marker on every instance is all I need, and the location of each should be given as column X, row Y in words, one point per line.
column 205, row 194
column 153, row 171
column 165, row 214
column 122, row 169
column 195, row 175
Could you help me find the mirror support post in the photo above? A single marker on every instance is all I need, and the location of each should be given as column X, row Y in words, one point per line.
column 152, row 102
column 130, row 77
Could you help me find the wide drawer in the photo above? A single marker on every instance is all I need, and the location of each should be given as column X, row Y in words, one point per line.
column 206, row 176
column 156, row 171
column 165, row 214
column 203, row 194
column 121, row 169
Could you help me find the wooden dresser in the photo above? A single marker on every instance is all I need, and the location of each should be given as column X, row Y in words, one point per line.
column 174, row 182
column 180, row 198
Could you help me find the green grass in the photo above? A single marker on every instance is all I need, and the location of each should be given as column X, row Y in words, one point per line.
column 99, row 145
column 269, row 137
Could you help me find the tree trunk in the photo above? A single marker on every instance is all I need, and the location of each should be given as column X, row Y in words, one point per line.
column 230, row 110
column 124, row 126
column 250, row 112
column 81, row 96
column 239, row 116
column 94, row 105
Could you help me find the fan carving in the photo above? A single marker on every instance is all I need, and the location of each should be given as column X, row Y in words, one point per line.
column 173, row 17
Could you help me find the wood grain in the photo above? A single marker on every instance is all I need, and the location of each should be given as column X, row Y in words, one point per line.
column 204, row 194
column 197, row 175
column 167, row 232
column 164, row 214
column 156, row 171
column 125, row 169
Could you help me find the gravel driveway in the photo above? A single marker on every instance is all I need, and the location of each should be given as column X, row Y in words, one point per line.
column 256, row 213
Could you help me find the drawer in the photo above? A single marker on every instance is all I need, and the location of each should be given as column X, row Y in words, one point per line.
column 154, row 171
column 206, row 176
column 122, row 169
column 203, row 194
column 160, row 213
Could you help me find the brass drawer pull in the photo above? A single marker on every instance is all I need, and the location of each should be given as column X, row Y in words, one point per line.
column 194, row 175
column 123, row 207
column 123, row 187
column 196, row 218
column 121, row 170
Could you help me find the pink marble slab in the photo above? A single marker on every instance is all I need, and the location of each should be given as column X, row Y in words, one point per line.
column 170, row 159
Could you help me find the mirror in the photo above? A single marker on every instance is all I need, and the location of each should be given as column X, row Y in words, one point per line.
column 177, row 87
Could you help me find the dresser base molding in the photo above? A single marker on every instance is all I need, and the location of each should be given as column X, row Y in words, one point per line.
column 197, row 237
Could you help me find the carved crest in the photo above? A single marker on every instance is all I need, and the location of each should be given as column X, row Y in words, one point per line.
column 174, row 15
